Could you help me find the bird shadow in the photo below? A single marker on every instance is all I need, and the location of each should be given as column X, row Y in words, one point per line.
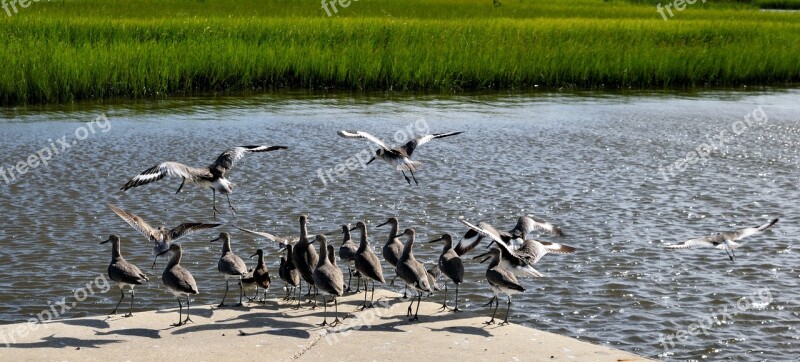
column 136, row 332
column 200, row 312
column 476, row 331
column 253, row 321
column 63, row 342
column 92, row 323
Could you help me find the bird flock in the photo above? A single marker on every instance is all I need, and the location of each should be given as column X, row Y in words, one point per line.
column 510, row 254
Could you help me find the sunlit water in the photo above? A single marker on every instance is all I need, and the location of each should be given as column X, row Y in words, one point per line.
column 588, row 163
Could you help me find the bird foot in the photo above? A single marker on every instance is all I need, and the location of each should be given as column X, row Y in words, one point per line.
column 413, row 319
column 221, row 305
column 504, row 323
column 128, row 315
column 444, row 307
column 489, row 322
column 456, row 310
column 335, row 322
column 177, row 324
column 238, row 305
column 187, row 320
column 323, row 324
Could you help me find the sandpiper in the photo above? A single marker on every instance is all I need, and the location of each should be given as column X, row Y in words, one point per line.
column 394, row 246
column 123, row 272
column 347, row 252
column 212, row 176
column 231, row 266
column 261, row 274
column 724, row 240
column 179, row 281
column 328, row 279
column 399, row 157
column 288, row 272
column 367, row 263
column 305, row 258
column 452, row 266
column 502, row 281
column 413, row 273
column 514, row 237
column 510, row 259
column 161, row 237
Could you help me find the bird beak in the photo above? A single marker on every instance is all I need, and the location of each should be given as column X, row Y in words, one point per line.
column 353, row 228
column 387, row 221
column 107, row 240
column 282, row 249
column 486, row 254
column 251, row 256
column 215, row 239
column 370, row 160
column 435, row 240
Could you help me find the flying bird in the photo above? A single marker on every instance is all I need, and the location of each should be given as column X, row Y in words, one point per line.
column 212, row 176
column 724, row 240
column 398, row 157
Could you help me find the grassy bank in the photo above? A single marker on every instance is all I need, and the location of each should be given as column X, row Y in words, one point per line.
column 64, row 50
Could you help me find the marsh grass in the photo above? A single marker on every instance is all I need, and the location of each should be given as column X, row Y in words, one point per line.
column 77, row 49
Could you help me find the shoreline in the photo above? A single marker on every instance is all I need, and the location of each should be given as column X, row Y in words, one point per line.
column 278, row 332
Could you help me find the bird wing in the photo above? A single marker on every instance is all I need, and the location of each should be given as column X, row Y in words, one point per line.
column 137, row 223
column 704, row 242
column 485, row 230
column 280, row 240
column 419, row 141
column 164, row 169
column 537, row 249
column 227, row 159
column 503, row 278
column 470, row 240
column 189, row 228
column 362, row 134
column 745, row 232
column 528, row 224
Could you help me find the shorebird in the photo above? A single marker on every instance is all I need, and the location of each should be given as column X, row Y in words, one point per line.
column 231, row 266
column 328, row 279
column 123, row 272
column 451, row 265
column 502, row 281
column 511, row 260
column 514, row 237
column 367, row 263
column 724, row 240
column 347, row 252
column 288, row 272
column 394, row 246
column 399, row 157
column 305, row 258
column 261, row 274
column 161, row 237
column 179, row 281
column 413, row 273
column 212, row 176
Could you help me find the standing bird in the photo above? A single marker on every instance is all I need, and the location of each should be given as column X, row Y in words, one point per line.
column 724, row 240
column 367, row 263
column 122, row 272
column 413, row 272
column 399, row 157
column 305, row 258
column 231, row 266
column 261, row 274
column 525, row 225
column 347, row 252
column 451, row 265
column 212, row 176
column 328, row 279
column 179, row 281
column 288, row 272
column 161, row 237
column 394, row 246
column 502, row 281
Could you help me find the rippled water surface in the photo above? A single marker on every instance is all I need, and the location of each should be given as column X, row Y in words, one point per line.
column 588, row 163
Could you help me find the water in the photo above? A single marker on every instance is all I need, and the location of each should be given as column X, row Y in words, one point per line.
column 589, row 163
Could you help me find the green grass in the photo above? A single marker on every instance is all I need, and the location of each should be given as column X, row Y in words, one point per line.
column 66, row 50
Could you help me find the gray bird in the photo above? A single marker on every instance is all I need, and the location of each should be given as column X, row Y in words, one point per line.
column 288, row 272
column 305, row 258
column 123, row 272
column 347, row 252
column 452, row 266
column 261, row 274
column 394, row 246
column 179, row 281
column 725, row 240
column 367, row 263
column 211, row 176
column 413, row 272
column 502, row 281
column 525, row 225
column 328, row 279
column 231, row 266
column 399, row 157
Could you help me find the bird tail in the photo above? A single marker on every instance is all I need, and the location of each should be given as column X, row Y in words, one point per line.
column 409, row 166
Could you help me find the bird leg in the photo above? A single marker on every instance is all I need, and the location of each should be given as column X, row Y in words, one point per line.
column 419, row 301
column 187, row 320
column 120, row 301
column 444, row 302
column 372, row 296
column 233, row 211
column 324, row 313
column 490, row 301
column 222, row 303
column 497, row 303
column 407, row 179
column 358, row 285
column 183, row 180
column 349, row 278
column 241, row 292
column 336, row 321
column 456, row 310
column 180, row 313
column 214, row 202
column 508, row 309
column 415, row 178
column 130, row 311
